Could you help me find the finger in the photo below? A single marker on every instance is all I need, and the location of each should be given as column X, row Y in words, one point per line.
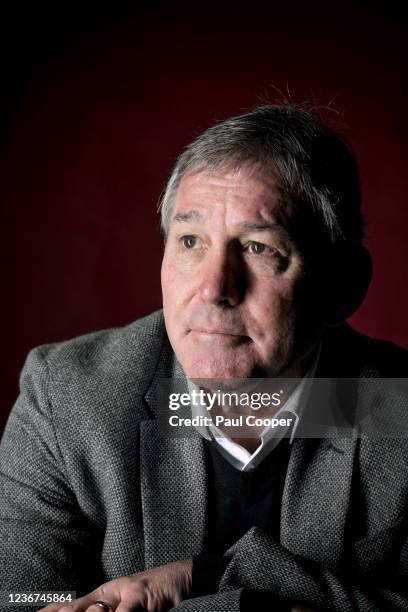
column 57, row 608
column 136, row 602
column 103, row 594
column 80, row 605
column 94, row 607
column 66, row 607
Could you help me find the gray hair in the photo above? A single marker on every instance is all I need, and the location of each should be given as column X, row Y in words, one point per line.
column 316, row 167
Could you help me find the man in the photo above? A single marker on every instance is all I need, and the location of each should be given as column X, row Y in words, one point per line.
column 263, row 263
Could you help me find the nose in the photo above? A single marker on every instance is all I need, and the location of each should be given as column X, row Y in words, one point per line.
column 222, row 279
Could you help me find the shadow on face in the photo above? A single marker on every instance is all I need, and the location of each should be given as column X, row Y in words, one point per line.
column 236, row 293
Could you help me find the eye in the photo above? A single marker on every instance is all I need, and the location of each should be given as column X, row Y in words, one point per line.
column 189, row 242
column 267, row 254
column 257, row 248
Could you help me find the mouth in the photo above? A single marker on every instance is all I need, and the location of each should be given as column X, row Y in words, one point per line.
column 223, row 331
column 210, row 334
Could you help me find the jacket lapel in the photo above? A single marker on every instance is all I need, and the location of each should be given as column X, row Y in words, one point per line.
column 174, row 496
column 173, row 481
column 316, row 498
column 317, row 491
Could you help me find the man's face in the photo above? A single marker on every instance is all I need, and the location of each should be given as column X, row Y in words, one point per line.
column 235, row 291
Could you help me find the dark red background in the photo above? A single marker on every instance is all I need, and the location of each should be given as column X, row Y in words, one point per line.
column 96, row 107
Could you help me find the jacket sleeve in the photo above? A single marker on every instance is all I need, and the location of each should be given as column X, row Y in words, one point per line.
column 262, row 565
column 45, row 541
column 228, row 601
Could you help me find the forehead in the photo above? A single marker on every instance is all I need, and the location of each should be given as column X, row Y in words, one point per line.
column 245, row 192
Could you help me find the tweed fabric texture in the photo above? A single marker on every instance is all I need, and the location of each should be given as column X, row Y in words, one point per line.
column 220, row 602
column 89, row 491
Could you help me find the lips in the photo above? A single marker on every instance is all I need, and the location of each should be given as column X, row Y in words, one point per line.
column 218, row 332
column 223, row 331
column 214, row 322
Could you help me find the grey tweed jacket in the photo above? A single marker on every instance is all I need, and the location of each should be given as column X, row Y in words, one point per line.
column 89, row 490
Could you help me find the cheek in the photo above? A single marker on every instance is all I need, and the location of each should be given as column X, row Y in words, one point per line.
column 175, row 293
column 292, row 323
column 171, row 282
column 167, row 284
column 272, row 302
column 274, row 314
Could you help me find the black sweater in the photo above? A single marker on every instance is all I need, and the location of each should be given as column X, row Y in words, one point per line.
column 238, row 501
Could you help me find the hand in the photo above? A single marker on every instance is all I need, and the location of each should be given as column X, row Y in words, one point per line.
column 155, row 590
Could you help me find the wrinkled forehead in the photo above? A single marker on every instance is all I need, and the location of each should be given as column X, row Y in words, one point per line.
column 249, row 191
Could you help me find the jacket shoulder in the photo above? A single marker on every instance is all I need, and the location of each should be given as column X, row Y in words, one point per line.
column 103, row 373
column 136, row 345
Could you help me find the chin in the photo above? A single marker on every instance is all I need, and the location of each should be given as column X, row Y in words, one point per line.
column 217, row 369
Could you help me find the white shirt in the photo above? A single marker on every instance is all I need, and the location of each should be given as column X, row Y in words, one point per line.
column 236, row 454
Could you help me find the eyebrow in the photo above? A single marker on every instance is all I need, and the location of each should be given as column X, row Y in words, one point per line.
column 262, row 227
column 269, row 226
column 195, row 215
column 190, row 215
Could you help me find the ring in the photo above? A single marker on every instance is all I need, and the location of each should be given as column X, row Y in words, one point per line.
column 103, row 605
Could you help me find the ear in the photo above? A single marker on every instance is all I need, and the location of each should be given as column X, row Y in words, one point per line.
column 348, row 277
